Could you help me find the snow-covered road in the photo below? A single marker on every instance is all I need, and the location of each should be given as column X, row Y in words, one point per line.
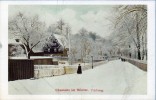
column 114, row 77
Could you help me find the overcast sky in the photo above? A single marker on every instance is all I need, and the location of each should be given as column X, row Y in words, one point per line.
column 91, row 17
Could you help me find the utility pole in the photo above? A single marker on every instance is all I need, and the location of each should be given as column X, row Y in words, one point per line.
column 92, row 62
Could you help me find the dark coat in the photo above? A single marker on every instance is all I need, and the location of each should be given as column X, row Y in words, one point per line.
column 79, row 70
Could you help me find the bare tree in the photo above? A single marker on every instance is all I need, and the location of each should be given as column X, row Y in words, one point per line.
column 64, row 30
column 131, row 25
column 85, row 43
column 63, row 41
column 28, row 29
column 73, row 53
column 60, row 26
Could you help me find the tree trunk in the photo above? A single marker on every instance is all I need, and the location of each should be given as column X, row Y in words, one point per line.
column 143, row 53
column 28, row 55
column 30, row 51
column 139, row 54
column 138, row 37
column 146, row 54
column 143, row 50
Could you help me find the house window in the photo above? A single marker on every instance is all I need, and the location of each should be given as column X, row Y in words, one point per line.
column 55, row 50
column 48, row 49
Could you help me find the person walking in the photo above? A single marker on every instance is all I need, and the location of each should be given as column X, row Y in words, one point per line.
column 79, row 70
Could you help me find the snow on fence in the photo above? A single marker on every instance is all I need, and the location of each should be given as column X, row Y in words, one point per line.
column 46, row 67
column 48, row 71
column 140, row 64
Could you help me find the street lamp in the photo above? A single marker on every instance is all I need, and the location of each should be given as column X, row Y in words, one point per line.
column 130, row 51
column 92, row 62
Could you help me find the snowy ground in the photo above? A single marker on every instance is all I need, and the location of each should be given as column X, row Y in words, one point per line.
column 114, row 77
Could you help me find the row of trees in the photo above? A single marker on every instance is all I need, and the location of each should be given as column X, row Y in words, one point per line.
column 130, row 31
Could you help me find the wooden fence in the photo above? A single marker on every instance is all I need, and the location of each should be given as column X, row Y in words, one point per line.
column 20, row 69
column 140, row 65
column 43, row 61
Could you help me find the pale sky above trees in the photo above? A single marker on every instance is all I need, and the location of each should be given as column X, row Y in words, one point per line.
column 91, row 17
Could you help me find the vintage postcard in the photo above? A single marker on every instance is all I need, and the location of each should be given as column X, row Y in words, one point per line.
column 79, row 50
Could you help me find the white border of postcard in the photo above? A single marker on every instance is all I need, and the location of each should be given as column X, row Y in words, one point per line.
column 4, row 52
